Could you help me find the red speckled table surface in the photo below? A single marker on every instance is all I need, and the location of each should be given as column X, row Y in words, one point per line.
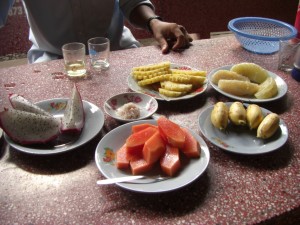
column 235, row 189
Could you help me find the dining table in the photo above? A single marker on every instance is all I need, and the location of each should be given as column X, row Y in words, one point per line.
column 234, row 188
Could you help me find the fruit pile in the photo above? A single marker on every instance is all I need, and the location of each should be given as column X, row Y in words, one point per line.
column 252, row 116
column 246, row 79
column 150, row 144
column 26, row 123
column 169, row 82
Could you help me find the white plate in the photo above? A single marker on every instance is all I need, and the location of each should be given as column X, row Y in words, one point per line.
column 239, row 139
column 133, row 85
column 282, row 88
column 112, row 141
column 146, row 104
column 94, row 120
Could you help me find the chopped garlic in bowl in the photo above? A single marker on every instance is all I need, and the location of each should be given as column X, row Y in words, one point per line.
column 130, row 106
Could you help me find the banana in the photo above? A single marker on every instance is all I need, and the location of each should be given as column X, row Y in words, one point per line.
column 254, row 116
column 237, row 114
column 268, row 126
column 219, row 115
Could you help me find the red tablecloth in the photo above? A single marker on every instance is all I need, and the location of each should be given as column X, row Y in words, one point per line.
column 235, row 189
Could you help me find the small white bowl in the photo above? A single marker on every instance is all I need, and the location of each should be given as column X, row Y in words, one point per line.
column 147, row 105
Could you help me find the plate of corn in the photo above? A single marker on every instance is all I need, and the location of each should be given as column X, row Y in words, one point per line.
column 168, row 81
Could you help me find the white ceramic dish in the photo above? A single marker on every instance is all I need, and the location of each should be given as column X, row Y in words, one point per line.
column 240, row 139
column 94, row 120
column 135, row 87
column 282, row 88
column 146, row 104
column 109, row 144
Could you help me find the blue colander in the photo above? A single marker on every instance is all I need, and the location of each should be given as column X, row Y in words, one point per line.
column 261, row 35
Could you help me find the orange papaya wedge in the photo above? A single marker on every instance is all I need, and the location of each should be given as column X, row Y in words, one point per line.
column 135, row 142
column 139, row 166
column 154, row 148
column 142, row 126
column 122, row 160
column 191, row 147
column 171, row 132
column 170, row 162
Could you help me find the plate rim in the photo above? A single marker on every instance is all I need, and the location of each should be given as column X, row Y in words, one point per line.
column 188, row 96
column 25, row 149
column 138, row 187
column 250, row 100
column 282, row 125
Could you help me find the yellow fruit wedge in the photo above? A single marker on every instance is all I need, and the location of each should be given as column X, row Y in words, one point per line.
column 267, row 89
column 227, row 75
column 238, row 87
column 253, row 71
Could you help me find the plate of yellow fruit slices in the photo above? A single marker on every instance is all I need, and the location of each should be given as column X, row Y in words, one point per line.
column 247, row 82
column 168, row 81
column 240, row 138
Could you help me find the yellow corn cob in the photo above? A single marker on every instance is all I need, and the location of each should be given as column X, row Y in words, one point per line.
column 153, row 80
column 171, row 86
column 142, row 75
column 153, row 66
column 186, row 79
column 189, row 72
column 169, row 93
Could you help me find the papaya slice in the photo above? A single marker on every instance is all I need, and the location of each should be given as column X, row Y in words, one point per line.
column 170, row 162
column 139, row 166
column 191, row 147
column 154, row 148
column 171, row 132
column 122, row 160
column 135, row 142
column 142, row 126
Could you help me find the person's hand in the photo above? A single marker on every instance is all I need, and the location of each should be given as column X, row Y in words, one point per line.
column 170, row 36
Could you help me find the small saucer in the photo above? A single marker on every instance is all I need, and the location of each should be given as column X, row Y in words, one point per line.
column 146, row 104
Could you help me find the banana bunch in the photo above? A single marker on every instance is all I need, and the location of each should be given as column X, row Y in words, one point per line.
column 169, row 82
column 252, row 116
column 246, row 79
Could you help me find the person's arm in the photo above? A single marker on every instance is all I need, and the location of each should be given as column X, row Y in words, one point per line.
column 169, row 35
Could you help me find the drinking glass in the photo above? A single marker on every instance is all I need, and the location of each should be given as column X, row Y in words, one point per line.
column 99, row 49
column 74, row 59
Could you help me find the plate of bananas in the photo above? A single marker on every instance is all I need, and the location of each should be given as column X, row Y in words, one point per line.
column 243, row 128
column 247, row 82
column 168, row 81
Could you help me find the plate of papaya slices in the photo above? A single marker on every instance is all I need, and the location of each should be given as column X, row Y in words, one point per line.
column 243, row 128
column 168, row 81
column 149, row 158
column 51, row 126
column 247, row 82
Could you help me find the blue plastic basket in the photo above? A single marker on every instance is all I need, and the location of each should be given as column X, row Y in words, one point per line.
column 261, row 35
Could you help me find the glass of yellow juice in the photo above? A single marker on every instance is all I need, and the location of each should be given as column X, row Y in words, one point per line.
column 74, row 59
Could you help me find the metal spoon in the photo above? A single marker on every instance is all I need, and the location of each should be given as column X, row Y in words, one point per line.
column 133, row 180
